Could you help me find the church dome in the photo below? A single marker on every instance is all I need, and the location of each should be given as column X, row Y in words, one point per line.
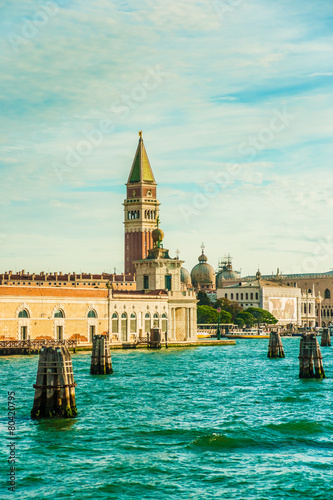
column 185, row 276
column 203, row 274
column 226, row 273
column 202, row 258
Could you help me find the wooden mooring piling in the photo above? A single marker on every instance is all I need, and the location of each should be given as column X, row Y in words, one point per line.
column 310, row 358
column 275, row 347
column 325, row 338
column 55, row 386
column 154, row 339
column 101, row 363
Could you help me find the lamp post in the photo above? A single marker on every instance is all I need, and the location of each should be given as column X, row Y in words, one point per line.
column 218, row 334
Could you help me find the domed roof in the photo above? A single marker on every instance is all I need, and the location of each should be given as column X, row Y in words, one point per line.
column 185, row 276
column 223, row 275
column 202, row 258
column 157, row 234
column 203, row 273
column 226, row 272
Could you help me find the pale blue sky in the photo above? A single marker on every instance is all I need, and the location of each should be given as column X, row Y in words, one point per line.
column 235, row 103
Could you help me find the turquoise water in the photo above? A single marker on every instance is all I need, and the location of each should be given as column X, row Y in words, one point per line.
column 197, row 423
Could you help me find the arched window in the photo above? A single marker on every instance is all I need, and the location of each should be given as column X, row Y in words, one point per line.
column 164, row 323
column 247, row 296
column 59, row 314
column 115, row 323
column 23, row 314
column 251, row 296
column 147, row 323
column 242, row 296
column 226, row 295
column 310, row 291
column 92, row 314
column 133, row 323
column 257, row 296
column 237, row 296
column 124, row 327
column 232, row 296
column 156, row 321
column 327, row 294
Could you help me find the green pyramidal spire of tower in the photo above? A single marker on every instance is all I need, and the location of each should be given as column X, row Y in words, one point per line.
column 141, row 170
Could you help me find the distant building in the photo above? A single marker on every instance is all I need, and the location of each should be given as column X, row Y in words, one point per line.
column 316, row 288
column 287, row 304
column 72, row 280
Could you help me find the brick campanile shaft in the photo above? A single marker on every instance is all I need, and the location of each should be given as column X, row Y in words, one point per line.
column 141, row 209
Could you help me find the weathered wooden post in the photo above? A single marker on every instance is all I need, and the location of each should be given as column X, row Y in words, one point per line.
column 55, row 386
column 275, row 347
column 154, row 339
column 325, row 338
column 310, row 358
column 101, row 363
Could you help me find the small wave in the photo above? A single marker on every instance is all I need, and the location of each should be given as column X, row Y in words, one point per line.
column 221, row 442
column 304, row 427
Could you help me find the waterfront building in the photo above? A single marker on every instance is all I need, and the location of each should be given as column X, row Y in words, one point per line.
column 289, row 305
column 280, row 300
column 316, row 291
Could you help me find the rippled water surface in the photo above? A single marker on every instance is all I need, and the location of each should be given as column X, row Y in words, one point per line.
column 197, row 423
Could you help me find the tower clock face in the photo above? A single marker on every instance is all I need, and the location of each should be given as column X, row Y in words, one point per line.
column 148, row 193
column 133, row 193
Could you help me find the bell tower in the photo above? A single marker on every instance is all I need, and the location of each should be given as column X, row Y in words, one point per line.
column 141, row 209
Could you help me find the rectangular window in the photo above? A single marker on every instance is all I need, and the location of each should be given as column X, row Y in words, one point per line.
column 59, row 333
column 146, row 282
column 168, row 282
column 24, row 333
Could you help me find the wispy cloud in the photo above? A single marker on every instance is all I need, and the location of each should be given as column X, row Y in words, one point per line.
column 226, row 76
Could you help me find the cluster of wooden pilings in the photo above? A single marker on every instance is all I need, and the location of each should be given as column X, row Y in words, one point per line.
column 101, row 363
column 55, row 386
column 310, row 358
column 275, row 347
column 325, row 338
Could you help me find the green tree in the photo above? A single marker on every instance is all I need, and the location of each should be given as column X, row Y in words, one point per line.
column 225, row 317
column 206, row 314
column 203, row 299
column 228, row 305
column 261, row 315
column 246, row 318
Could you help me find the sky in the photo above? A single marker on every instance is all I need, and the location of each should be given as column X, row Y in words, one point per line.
column 235, row 101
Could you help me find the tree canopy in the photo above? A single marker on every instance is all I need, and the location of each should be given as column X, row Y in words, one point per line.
column 203, row 299
column 261, row 315
column 207, row 314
